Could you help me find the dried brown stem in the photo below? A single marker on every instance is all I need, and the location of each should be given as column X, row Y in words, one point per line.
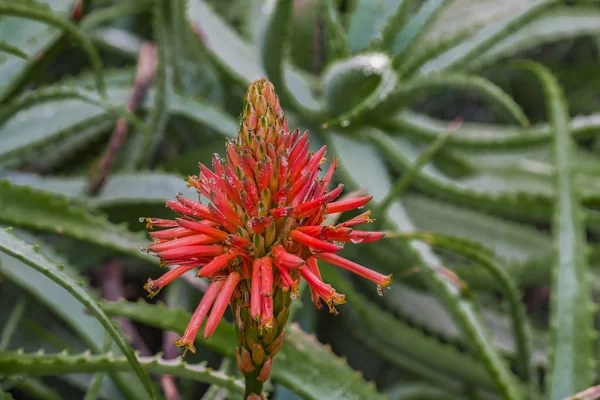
column 146, row 69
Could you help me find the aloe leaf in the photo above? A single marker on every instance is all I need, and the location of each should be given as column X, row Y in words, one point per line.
column 407, row 93
column 367, row 22
column 32, row 387
column 471, row 15
column 13, row 143
column 572, row 360
column 418, row 391
column 45, row 14
column 31, row 256
column 25, row 207
column 486, row 38
column 60, row 301
column 407, row 37
column 460, row 308
column 490, row 193
column 117, row 41
column 161, row 85
column 32, row 38
column 512, row 241
column 351, row 86
column 203, row 113
column 17, row 362
column 274, row 44
column 120, row 189
column 407, row 347
column 486, row 191
column 429, row 51
column 240, row 58
column 402, row 184
column 485, row 258
column 55, row 116
column 486, row 136
column 12, row 50
column 337, row 40
column 307, row 367
column 100, row 16
column 559, row 24
column 10, row 326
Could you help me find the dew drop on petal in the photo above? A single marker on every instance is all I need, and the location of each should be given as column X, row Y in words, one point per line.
column 360, row 208
column 379, row 290
column 293, row 295
column 356, row 240
column 141, row 219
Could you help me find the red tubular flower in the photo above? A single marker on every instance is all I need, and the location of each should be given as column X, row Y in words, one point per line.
column 259, row 234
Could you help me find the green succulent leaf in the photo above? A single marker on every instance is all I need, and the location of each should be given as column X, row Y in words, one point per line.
column 305, row 366
column 23, row 206
column 18, row 362
column 484, row 39
column 558, row 24
column 31, row 38
column 408, row 93
column 571, row 362
column 486, row 136
column 120, row 189
column 485, row 258
column 407, row 37
column 39, row 12
column 462, row 310
column 31, row 256
column 239, row 57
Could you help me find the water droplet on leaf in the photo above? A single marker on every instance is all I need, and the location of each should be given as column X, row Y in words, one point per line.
column 345, row 123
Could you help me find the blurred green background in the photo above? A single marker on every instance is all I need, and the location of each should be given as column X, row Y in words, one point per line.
column 107, row 105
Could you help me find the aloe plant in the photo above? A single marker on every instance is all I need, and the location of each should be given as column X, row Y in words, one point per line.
column 472, row 124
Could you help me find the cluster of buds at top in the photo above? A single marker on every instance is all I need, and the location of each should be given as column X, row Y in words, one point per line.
column 260, row 232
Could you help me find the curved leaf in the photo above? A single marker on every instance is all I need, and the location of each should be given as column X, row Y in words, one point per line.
column 31, row 37
column 484, row 258
column 203, row 113
column 366, row 22
column 486, row 136
column 12, row 50
column 60, row 301
column 407, row 93
column 18, row 362
column 44, row 14
column 572, row 361
column 407, row 37
column 274, row 44
column 351, row 86
column 460, row 308
column 306, row 366
column 487, row 37
column 560, row 24
column 11, row 142
column 31, row 256
column 22, row 206
column 241, row 59
column 120, row 189
column 407, row 348
column 530, row 199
